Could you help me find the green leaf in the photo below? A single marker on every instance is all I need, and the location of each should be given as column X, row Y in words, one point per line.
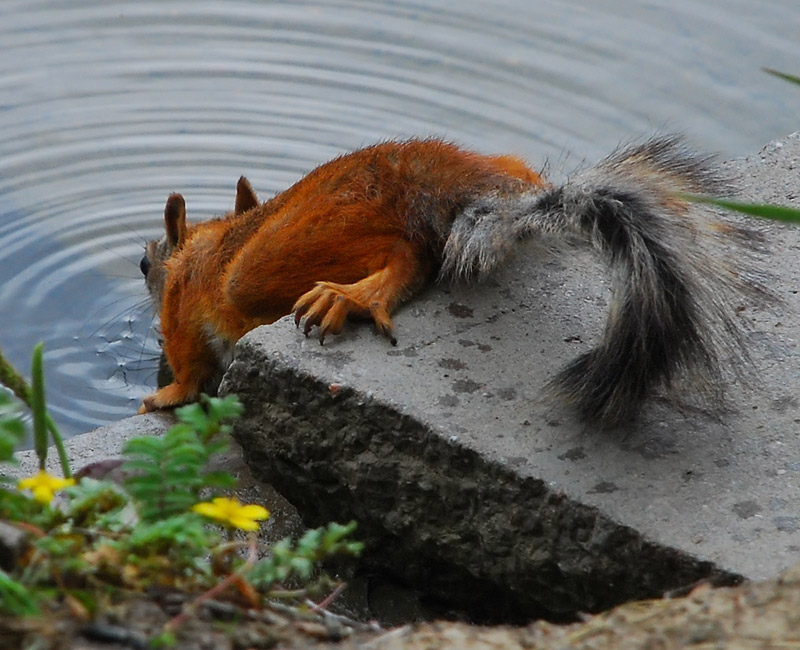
column 12, row 428
column 310, row 541
column 766, row 211
column 223, row 408
column 142, row 446
column 302, row 566
column 15, row 599
column 164, row 640
column 97, row 504
column 138, row 465
column 219, row 479
column 193, row 415
column 38, row 407
column 782, row 75
column 186, row 530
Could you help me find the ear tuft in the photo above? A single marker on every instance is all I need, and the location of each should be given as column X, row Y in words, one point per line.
column 175, row 220
column 246, row 198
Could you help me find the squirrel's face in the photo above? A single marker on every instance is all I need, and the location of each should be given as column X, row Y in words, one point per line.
column 153, row 267
column 156, row 253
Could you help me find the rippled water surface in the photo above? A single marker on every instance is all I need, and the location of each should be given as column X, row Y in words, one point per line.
column 107, row 107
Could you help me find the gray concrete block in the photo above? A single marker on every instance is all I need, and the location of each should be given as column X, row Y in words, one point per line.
column 464, row 479
column 103, row 443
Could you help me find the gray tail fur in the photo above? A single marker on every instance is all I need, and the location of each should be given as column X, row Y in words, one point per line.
column 671, row 308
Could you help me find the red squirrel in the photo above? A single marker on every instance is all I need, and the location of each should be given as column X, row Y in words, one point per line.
column 366, row 231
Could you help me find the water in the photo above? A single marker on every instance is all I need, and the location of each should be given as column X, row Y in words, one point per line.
column 107, row 107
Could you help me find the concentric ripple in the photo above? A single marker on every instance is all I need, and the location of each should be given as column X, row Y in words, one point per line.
column 106, row 107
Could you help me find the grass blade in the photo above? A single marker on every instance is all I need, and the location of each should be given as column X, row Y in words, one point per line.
column 783, row 75
column 764, row 210
column 38, row 408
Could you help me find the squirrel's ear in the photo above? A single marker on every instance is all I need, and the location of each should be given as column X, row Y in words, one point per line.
column 175, row 220
column 246, row 198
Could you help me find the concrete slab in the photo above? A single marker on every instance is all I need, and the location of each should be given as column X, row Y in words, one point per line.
column 445, row 452
column 103, row 443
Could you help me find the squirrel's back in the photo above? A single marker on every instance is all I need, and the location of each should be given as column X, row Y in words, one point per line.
column 348, row 216
column 410, row 184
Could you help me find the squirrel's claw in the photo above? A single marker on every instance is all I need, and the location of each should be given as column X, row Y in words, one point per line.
column 383, row 322
column 328, row 305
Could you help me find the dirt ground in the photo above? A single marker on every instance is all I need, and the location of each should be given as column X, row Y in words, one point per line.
column 753, row 615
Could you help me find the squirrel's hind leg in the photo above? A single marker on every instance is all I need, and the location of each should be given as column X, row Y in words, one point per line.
column 329, row 304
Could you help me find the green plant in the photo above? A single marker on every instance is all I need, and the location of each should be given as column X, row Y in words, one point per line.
column 15, row 598
column 102, row 540
column 288, row 560
column 33, row 396
column 783, row 75
column 167, row 474
column 12, row 430
column 763, row 210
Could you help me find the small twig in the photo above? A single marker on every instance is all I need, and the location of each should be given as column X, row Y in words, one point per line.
column 230, row 579
column 287, row 594
column 292, row 612
column 389, row 635
column 353, row 624
column 14, row 381
column 322, row 606
column 29, row 528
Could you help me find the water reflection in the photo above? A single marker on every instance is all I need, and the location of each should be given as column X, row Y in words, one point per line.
column 107, row 107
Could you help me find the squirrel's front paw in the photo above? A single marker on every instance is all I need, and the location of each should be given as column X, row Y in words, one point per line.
column 328, row 305
column 148, row 405
column 165, row 398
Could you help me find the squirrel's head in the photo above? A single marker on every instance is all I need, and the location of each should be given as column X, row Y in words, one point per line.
column 156, row 254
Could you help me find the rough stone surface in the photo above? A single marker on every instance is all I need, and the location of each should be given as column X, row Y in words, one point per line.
column 467, row 482
column 754, row 615
column 13, row 543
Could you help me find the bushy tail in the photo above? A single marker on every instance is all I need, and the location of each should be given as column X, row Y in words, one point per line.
column 671, row 306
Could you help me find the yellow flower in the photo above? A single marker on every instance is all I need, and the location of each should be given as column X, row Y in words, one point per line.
column 44, row 485
column 232, row 513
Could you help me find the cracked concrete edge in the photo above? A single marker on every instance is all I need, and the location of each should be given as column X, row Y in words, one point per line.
column 347, row 434
column 496, row 543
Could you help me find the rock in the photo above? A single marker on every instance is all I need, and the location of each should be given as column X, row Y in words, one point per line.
column 467, row 485
column 755, row 615
column 13, row 543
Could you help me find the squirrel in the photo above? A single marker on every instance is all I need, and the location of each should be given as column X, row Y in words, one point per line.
column 366, row 231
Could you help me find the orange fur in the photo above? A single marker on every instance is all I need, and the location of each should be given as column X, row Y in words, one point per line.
column 356, row 236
